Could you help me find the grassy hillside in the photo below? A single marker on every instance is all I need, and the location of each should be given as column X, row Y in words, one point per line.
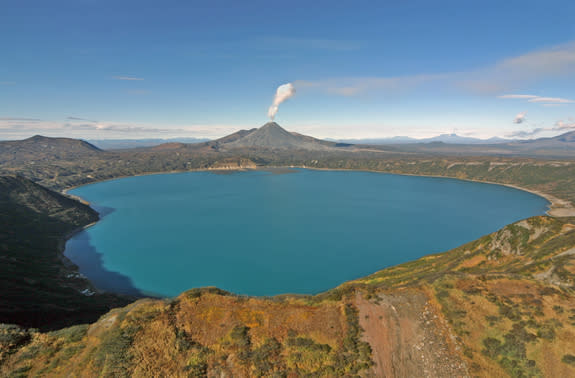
column 552, row 177
column 39, row 288
column 503, row 305
column 508, row 297
column 200, row 332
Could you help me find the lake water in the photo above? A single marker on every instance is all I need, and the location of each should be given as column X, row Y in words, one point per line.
column 263, row 233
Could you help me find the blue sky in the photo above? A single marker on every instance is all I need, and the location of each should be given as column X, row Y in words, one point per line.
column 134, row 69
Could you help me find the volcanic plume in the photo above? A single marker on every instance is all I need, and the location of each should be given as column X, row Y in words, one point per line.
column 283, row 92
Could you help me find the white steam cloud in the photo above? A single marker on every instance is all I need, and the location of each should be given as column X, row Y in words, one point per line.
column 283, row 92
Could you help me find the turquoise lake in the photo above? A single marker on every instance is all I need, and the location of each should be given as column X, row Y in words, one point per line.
column 264, row 233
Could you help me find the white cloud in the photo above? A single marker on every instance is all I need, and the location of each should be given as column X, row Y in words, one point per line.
column 522, row 70
column 128, row 78
column 79, row 119
column 555, row 100
column 76, row 127
column 562, row 125
column 526, row 133
column 520, row 118
column 518, row 96
column 19, row 119
column 506, row 74
column 545, row 101
column 352, row 86
column 559, row 126
column 557, row 60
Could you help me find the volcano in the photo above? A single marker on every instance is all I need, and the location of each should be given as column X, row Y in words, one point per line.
column 273, row 136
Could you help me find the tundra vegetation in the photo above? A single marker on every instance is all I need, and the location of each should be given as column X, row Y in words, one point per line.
column 502, row 305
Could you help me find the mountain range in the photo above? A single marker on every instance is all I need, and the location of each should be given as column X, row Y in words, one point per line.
column 445, row 138
column 122, row 144
column 272, row 137
column 117, row 144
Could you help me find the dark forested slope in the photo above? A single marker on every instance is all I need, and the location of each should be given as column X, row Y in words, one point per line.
column 40, row 288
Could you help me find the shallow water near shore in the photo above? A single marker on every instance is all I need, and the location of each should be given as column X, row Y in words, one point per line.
column 262, row 233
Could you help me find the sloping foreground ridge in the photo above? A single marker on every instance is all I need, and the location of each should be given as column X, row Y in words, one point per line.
column 502, row 305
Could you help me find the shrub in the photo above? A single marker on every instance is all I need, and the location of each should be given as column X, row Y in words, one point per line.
column 240, row 336
column 72, row 334
column 492, row 347
column 266, row 357
column 546, row 332
column 12, row 336
column 568, row 359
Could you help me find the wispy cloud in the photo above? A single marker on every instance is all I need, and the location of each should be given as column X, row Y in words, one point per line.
column 527, row 133
column 352, row 86
column 520, row 118
column 517, row 96
column 545, row 101
column 128, row 78
column 552, row 100
column 18, row 119
column 77, row 127
column 504, row 75
column 559, row 126
column 521, row 70
column 80, row 119
column 565, row 125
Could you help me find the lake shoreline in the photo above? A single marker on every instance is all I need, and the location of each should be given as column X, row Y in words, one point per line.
column 557, row 207
column 283, row 170
column 74, row 268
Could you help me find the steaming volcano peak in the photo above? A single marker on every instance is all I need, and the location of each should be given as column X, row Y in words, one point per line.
column 273, row 127
column 273, row 136
column 271, row 124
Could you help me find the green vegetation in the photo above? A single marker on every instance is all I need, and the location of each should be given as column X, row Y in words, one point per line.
column 39, row 289
column 72, row 163
column 500, row 308
column 502, row 304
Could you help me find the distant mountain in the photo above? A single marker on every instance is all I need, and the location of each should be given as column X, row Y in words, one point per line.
column 456, row 139
column 391, row 140
column 235, row 136
column 273, row 136
column 562, row 141
column 444, row 138
column 122, row 144
column 38, row 148
column 566, row 138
